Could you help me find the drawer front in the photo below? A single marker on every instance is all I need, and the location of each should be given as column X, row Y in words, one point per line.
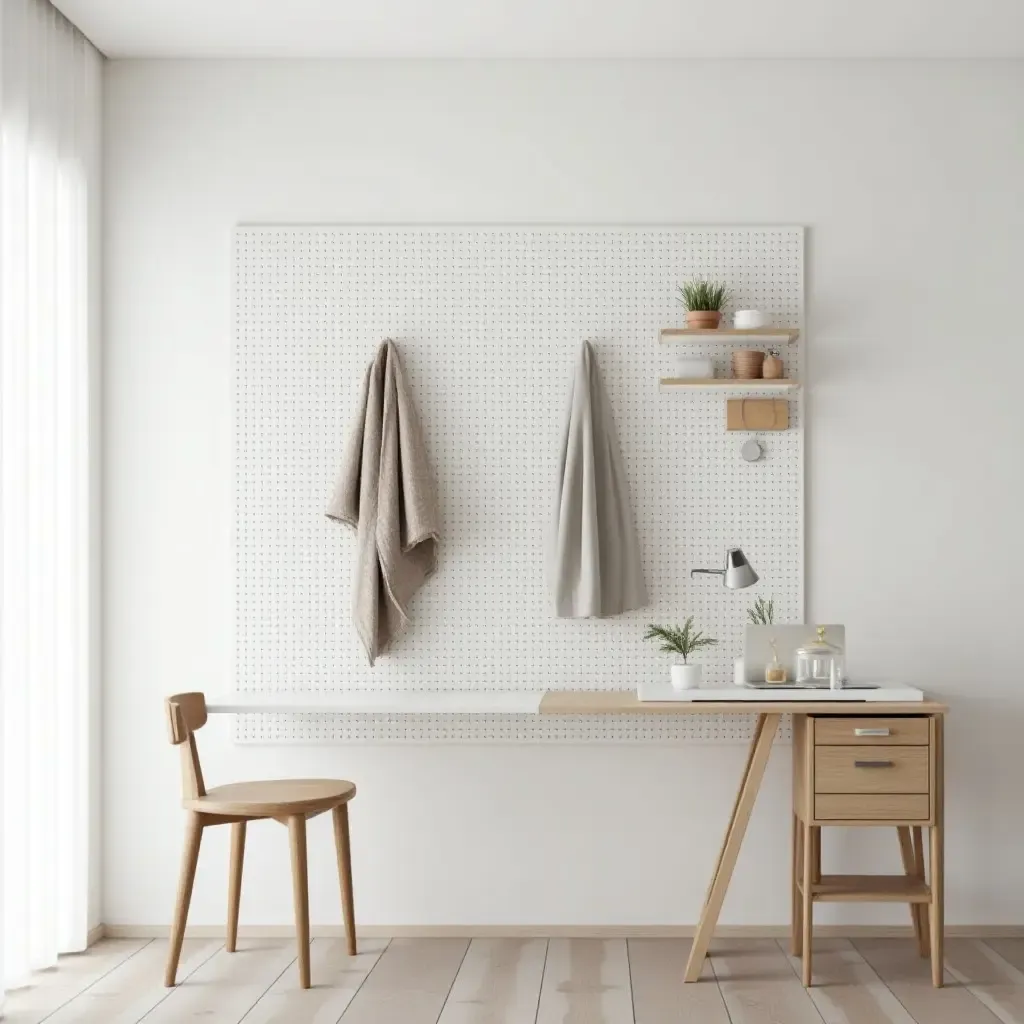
column 875, row 770
column 831, row 732
column 872, row 807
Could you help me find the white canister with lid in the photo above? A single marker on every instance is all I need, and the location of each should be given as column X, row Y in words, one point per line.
column 749, row 319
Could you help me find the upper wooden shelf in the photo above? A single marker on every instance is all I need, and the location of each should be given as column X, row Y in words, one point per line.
column 786, row 334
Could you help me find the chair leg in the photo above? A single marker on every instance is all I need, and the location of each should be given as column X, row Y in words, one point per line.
column 344, row 852
column 300, row 891
column 189, row 860
column 235, row 882
column 807, row 908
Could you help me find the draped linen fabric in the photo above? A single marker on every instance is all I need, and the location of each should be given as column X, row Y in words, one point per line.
column 50, row 78
column 386, row 493
column 597, row 565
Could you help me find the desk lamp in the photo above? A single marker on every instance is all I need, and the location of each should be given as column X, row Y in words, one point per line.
column 737, row 573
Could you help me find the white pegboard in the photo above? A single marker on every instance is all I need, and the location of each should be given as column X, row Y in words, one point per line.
column 489, row 322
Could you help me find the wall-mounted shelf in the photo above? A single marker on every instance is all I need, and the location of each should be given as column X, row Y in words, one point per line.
column 375, row 702
column 746, row 387
column 779, row 335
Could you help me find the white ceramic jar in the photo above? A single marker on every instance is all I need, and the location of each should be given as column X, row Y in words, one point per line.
column 749, row 319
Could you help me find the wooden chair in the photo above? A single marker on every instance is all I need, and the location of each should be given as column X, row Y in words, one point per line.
column 289, row 801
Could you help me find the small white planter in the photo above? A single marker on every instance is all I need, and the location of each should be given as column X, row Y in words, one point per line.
column 685, row 677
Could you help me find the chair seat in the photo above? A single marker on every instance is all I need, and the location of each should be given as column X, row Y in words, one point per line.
column 274, row 798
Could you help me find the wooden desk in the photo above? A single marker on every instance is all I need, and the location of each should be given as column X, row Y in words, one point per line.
column 769, row 714
column 814, row 805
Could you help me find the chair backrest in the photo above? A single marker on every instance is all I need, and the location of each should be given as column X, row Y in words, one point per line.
column 186, row 712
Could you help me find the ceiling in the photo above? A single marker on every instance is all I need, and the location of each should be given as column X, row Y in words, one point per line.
column 552, row 28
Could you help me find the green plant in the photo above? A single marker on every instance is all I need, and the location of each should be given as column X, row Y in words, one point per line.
column 682, row 640
column 704, row 294
column 763, row 612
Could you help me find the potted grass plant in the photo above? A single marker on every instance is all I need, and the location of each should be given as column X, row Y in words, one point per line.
column 682, row 641
column 704, row 300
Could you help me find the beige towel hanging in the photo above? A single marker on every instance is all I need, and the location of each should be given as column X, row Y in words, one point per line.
column 597, row 568
column 386, row 493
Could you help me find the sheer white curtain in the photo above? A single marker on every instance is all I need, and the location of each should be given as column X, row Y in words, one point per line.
column 49, row 145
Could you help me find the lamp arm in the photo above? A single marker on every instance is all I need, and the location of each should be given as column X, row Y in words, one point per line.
column 710, row 572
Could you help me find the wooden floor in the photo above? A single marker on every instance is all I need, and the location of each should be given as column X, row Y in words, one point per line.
column 528, row 981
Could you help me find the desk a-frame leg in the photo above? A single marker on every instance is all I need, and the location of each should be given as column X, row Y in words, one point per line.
column 760, row 747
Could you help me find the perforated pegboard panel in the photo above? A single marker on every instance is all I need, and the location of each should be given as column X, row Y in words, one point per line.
column 489, row 322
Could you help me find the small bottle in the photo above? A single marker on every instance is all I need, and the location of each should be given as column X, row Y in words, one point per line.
column 775, row 673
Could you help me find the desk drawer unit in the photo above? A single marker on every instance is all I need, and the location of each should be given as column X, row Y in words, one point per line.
column 861, row 770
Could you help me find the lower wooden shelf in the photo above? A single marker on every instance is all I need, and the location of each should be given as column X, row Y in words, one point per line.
column 735, row 384
column 869, row 889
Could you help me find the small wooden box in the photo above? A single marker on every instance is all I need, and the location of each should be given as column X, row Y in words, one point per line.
column 757, row 414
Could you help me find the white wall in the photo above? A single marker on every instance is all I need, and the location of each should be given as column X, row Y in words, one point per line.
column 911, row 180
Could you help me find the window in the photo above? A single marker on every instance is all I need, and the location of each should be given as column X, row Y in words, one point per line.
column 49, row 145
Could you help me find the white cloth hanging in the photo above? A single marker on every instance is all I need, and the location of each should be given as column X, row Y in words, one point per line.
column 597, row 570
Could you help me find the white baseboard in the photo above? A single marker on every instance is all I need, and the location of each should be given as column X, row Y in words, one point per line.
column 476, row 931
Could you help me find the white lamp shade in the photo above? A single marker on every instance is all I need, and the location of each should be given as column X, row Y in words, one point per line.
column 738, row 572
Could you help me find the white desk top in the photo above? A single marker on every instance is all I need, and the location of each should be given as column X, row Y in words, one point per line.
column 369, row 702
column 662, row 690
column 565, row 702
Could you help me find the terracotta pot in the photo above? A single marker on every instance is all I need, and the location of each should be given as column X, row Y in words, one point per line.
column 703, row 319
column 747, row 364
column 772, row 368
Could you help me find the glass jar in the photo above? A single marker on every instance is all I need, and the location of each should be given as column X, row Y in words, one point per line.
column 820, row 663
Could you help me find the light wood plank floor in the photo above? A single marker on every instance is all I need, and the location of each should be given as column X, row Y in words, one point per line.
column 527, row 981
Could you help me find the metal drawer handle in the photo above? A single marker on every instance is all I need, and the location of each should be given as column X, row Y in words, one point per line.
column 872, row 764
column 870, row 732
